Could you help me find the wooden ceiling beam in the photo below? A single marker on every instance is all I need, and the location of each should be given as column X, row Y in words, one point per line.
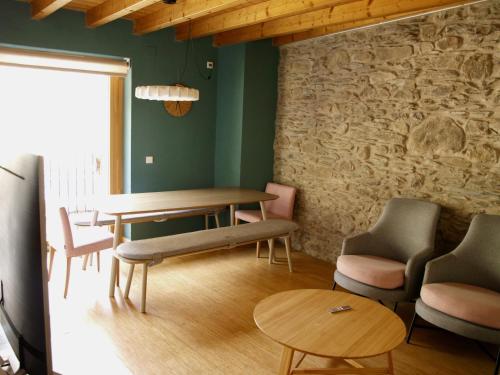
column 184, row 11
column 42, row 8
column 111, row 10
column 349, row 14
column 264, row 11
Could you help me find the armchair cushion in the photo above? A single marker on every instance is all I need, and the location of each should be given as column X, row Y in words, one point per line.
column 464, row 301
column 372, row 270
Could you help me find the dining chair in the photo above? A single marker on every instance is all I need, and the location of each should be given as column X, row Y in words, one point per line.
column 387, row 262
column 461, row 290
column 80, row 242
column 280, row 208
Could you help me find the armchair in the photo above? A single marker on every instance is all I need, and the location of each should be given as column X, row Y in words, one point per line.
column 387, row 262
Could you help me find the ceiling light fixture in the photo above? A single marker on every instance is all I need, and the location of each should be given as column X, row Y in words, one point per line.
column 176, row 92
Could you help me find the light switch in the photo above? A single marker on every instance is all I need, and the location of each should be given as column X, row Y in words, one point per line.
column 149, row 160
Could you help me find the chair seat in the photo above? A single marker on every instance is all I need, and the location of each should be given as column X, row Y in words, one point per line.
column 463, row 301
column 91, row 239
column 252, row 216
column 372, row 270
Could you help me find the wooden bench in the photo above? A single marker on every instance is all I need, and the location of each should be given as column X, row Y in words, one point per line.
column 152, row 251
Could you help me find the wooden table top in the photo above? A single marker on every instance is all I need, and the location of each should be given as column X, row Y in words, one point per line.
column 300, row 320
column 122, row 204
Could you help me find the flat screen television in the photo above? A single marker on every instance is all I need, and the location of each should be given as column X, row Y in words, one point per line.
column 24, row 306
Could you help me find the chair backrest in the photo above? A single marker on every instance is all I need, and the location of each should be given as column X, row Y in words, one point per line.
column 478, row 255
column 405, row 227
column 66, row 226
column 283, row 206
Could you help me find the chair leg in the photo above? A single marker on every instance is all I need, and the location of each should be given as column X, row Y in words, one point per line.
column 334, row 285
column 68, row 272
column 51, row 261
column 91, row 256
column 395, row 307
column 217, row 222
column 236, row 221
column 497, row 365
column 412, row 326
column 98, row 256
column 257, row 249
column 144, row 286
column 129, row 280
column 271, row 250
column 206, row 221
column 288, row 248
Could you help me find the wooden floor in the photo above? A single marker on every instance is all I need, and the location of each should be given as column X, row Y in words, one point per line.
column 199, row 321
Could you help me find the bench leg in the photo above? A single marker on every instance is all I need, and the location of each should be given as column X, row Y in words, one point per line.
column 271, row 250
column 206, row 221
column 129, row 280
column 85, row 261
column 288, row 253
column 217, row 222
column 257, row 249
column 144, row 286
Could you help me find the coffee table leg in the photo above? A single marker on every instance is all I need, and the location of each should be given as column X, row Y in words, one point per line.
column 390, row 366
column 286, row 361
column 114, row 260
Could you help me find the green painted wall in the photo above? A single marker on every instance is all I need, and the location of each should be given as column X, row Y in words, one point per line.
column 259, row 114
column 230, row 96
column 246, row 111
column 183, row 147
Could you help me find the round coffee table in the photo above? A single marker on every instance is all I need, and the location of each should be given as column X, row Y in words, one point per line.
column 300, row 320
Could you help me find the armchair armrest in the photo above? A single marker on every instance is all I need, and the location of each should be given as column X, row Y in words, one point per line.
column 441, row 269
column 357, row 245
column 414, row 270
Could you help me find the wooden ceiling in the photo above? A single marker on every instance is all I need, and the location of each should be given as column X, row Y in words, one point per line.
column 236, row 21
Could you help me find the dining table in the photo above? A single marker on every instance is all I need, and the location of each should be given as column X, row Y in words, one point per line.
column 134, row 204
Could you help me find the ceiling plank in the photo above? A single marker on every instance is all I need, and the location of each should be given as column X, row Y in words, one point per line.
column 111, row 10
column 177, row 13
column 42, row 8
column 339, row 28
column 264, row 11
column 342, row 14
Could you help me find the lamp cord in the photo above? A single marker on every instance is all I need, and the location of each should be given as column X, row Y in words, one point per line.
column 191, row 46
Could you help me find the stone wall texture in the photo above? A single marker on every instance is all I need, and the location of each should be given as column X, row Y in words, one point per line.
column 407, row 109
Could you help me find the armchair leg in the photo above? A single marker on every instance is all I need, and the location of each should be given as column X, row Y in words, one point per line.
column 395, row 306
column 217, row 222
column 497, row 365
column 412, row 326
column 334, row 285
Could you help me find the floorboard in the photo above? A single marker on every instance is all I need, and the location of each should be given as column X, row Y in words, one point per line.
column 199, row 321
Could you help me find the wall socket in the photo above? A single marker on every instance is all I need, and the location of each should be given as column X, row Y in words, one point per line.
column 149, row 160
column 210, row 64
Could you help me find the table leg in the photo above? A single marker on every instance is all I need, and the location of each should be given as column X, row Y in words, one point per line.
column 271, row 241
column 114, row 260
column 286, row 361
column 232, row 208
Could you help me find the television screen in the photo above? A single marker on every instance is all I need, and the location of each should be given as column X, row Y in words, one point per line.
column 24, row 308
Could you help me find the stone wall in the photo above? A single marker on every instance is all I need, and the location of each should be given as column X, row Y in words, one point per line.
column 405, row 109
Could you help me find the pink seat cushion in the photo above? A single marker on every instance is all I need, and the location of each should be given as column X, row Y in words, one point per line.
column 252, row 216
column 467, row 302
column 372, row 270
